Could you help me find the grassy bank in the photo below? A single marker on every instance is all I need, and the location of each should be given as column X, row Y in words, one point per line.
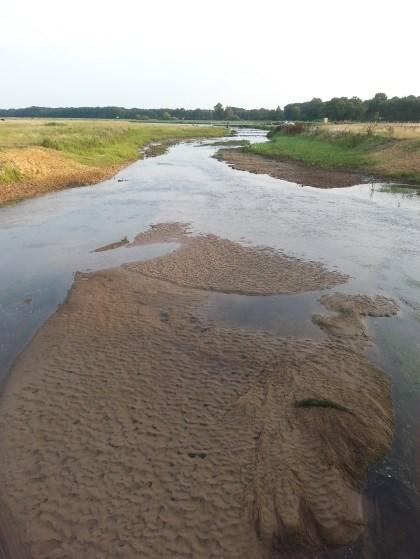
column 383, row 152
column 43, row 155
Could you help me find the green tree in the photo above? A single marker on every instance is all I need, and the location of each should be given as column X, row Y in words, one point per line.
column 278, row 113
column 219, row 111
column 229, row 114
column 292, row 112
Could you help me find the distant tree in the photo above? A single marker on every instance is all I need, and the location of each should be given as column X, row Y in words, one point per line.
column 396, row 109
column 376, row 107
column 312, row 110
column 292, row 112
column 229, row 114
column 278, row 114
column 219, row 112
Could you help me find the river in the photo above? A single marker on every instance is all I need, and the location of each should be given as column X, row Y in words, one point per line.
column 370, row 232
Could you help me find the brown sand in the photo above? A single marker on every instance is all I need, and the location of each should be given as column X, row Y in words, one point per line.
column 214, row 264
column 132, row 426
column 292, row 171
column 49, row 170
column 350, row 309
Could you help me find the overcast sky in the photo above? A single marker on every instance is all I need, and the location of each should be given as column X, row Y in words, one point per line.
column 192, row 53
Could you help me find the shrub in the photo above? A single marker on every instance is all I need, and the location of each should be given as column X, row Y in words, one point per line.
column 289, row 128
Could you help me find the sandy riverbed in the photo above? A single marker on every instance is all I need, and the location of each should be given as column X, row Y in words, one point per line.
column 134, row 426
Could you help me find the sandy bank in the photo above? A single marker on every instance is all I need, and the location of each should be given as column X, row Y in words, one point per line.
column 49, row 170
column 214, row 264
column 133, row 426
column 124, row 434
column 292, row 171
column 347, row 322
column 42, row 155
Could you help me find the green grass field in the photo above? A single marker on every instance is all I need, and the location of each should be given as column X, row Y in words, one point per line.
column 95, row 142
column 361, row 151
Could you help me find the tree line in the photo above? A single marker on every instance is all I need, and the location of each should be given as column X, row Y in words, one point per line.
column 380, row 107
column 217, row 113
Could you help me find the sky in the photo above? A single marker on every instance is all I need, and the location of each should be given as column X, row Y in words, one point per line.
column 195, row 53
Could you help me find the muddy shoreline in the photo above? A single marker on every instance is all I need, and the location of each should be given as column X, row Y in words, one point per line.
column 134, row 425
column 292, row 171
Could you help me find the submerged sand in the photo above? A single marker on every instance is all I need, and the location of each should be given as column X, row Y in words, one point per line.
column 347, row 323
column 286, row 169
column 133, row 426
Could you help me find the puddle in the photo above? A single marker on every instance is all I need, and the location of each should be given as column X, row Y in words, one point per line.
column 283, row 315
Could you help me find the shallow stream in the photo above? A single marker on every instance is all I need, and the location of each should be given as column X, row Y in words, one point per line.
column 371, row 232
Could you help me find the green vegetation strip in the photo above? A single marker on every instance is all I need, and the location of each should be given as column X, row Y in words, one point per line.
column 349, row 151
column 96, row 143
column 364, row 152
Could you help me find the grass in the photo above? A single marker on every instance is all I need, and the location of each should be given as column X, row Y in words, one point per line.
column 10, row 173
column 360, row 148
column 39, row 155
column 94, row 142
column 393, row 130
column 316, row 150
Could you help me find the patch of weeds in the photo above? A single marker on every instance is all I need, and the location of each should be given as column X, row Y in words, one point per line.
column 10, row 174
column 49, row 143
column 320, row 403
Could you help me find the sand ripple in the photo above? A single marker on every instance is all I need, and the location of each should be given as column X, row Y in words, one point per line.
column 134, row 427
column 211, row 263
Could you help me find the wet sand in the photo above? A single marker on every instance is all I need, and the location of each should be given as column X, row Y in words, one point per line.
column 214, row 264
column 292, row 171
column 347, row 322
column 135, row 426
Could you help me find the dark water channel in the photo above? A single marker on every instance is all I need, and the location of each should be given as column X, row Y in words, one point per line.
column 371, row 232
